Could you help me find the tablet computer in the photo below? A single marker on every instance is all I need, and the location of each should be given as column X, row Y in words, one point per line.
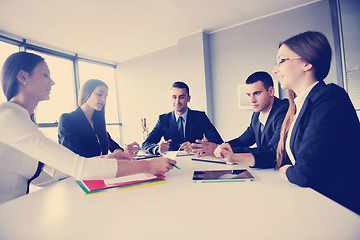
column 238, row 175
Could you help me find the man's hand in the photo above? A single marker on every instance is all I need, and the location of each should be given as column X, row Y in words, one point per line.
column 186, row 146
column 119, row 155
column 163, row 146
column 222, row 149
column 204, row 148
column 132, row 149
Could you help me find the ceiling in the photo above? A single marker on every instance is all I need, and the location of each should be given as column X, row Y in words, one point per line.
column 118, row 30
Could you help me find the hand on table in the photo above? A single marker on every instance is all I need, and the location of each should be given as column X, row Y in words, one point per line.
column 159, row 166
column 204, row 148
column 186, row 146
column 119, row 155
column 224, row 151
column 164, row 146
column 132, row 149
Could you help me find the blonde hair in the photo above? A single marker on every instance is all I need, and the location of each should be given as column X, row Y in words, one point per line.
column 289, row 118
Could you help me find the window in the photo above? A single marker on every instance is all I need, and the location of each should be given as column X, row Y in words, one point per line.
column 347, row 25
column 63, row 97
column 105, row 73
column 5, row 51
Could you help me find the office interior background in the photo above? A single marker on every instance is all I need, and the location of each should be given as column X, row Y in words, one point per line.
column 140, row 47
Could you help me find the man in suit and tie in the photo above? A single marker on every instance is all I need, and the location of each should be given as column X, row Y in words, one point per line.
column 180, row 127
column 264, row 129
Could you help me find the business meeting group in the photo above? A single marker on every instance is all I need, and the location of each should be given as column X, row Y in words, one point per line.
column 311, row 137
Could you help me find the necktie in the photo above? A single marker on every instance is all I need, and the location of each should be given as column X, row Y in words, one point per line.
column 261, row 128
column 181, row 127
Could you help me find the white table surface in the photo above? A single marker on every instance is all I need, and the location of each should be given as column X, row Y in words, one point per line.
column 268, row 208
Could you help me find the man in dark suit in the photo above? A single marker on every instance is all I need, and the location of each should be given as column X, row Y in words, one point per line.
column 181, row 127
column 264, row 129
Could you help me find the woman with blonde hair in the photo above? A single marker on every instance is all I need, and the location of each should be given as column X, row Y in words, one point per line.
column 319, row 139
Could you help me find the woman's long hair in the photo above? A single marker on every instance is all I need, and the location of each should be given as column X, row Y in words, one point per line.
column 98, row 116
column 314, row 48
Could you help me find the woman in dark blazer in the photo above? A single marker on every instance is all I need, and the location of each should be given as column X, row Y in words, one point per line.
column 319, row 140
column 84, row 130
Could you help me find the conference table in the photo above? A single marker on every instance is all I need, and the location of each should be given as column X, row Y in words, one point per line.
column 268, row 208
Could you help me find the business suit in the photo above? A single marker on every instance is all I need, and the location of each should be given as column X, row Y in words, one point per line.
column 325, row 145
column 197, row 125
column 265, row 152
column 76, row 133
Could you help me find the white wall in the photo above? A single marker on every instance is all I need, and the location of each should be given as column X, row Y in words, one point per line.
column 143, row 86
column 230, row 56
column 144, row 83
column 237, row 52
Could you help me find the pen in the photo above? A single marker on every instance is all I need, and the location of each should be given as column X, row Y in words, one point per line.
column 175, row 166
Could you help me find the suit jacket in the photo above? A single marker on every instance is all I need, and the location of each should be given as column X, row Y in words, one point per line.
column 197, row 125
column 76, row 133
column 325, row 145
column 265, row 152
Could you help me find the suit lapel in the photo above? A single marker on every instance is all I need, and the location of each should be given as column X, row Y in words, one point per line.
column 189, row 124
column 302, row 111
column 271, row 114
column 86, row 127
column 173, row 126
column 257, row 129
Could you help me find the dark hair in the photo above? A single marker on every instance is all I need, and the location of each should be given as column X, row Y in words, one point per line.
column 88, row 88
column 263, row 77
column 181, row 85
column 314, row 48
column 99, row 116
column 13, row 65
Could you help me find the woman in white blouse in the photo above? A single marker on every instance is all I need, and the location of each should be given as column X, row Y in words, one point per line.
column 24, row 150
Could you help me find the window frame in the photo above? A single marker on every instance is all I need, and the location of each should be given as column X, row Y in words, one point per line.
column 75, row 58
column 339, row 51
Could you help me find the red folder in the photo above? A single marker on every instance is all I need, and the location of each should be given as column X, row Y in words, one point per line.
column 92, row 185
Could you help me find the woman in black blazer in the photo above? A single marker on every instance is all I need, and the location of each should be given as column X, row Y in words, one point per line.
column 84, row 130
column 319, row 140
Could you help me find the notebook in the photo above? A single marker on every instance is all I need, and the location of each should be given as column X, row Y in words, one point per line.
column 239, row 175
column 112, row 189
column 92, row 185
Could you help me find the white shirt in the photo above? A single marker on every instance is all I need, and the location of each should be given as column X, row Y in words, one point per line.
column 22, row 145
column 299, row 102
column 262, row 119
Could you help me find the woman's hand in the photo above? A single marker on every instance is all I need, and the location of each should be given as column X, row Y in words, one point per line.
column 159, row 166
column 222, row 150
column 284, row 168
column 228, row 154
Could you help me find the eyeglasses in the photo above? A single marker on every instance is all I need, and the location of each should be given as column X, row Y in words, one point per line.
column 281, row 60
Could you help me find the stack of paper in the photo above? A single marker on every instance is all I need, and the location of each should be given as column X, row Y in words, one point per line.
column 120, row 183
